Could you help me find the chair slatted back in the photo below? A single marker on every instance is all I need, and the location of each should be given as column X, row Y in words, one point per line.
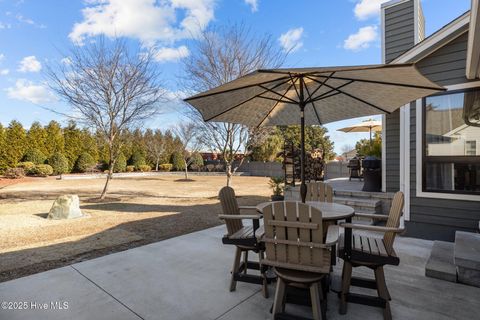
column 294, row 236
column 230, row 206
column 319, row 191
column 396, row 211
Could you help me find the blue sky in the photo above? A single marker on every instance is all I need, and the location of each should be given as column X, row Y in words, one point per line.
column 33, row 33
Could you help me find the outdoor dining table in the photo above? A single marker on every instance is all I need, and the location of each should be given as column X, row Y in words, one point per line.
column 331, row 213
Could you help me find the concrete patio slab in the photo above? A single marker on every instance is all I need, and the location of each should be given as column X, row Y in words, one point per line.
column 187, row 278
column 84, row 300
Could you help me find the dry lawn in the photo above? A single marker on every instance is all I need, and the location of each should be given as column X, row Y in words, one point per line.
column 138, row 211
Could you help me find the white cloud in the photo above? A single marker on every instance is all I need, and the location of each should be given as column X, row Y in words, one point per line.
column 292, row 40
column 149, row 21
column 4, row 72
column 362, row 39
column 365, row 9
column 25, row 90
column 253, row 4
column 2, row 56
column 30, row 64
column 171, row 54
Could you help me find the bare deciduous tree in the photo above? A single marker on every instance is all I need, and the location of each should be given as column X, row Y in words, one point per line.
column 110, row 88
column 220, row 56
column 187, row 133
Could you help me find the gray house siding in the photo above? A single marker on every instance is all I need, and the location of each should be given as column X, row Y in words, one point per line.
column 392, row 156
column 440, row 218
column 399, row 35
column 399, row 30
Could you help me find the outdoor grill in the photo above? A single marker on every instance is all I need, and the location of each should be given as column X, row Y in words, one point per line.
column 371, row 163
column 372, row 174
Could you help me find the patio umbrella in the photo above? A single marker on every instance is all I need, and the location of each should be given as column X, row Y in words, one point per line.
column 364, row 126
column 312, row 96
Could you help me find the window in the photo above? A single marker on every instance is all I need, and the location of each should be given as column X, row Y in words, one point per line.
column 451, row 136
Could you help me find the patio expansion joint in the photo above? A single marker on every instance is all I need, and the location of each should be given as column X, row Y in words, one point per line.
column 242, row 301
column 108, row 293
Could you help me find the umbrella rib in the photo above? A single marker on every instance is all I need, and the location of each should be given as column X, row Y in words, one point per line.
column 356, row 98
column 274, row 106
column 325, row 97
column 245, row 101
column 313, row 105
column 320, row 97
column 275, row 92
column 321, row 85
column 234, row 89
column 294, row 86
column 279, row 100
column 382, row 82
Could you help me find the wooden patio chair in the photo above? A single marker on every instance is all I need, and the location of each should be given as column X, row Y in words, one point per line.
column 245, row 238
column 294, row 246
column 319, row 191
column 374, row 253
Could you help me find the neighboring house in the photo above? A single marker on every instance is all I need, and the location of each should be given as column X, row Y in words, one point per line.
column 347, row 156
column 431, row 147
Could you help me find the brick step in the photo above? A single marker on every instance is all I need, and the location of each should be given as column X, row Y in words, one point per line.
column 440, row 264
column 360, row 205
column 363, row 194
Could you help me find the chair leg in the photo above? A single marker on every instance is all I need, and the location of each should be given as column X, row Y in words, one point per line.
column 316, row 301
column 346, row 278
column 383, row 292
column 245, row 261
column 236, row 264
column 279, row 297
column 265, row 283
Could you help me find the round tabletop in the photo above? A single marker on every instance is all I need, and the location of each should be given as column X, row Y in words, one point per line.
column 330, row 211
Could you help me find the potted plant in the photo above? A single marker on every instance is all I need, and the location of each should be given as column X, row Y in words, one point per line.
column 276, row 183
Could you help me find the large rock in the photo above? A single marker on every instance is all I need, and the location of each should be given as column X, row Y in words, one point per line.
column 65, row 207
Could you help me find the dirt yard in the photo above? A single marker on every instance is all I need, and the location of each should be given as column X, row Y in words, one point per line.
column 138, row 211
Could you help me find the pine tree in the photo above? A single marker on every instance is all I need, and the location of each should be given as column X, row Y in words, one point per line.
column 3, row 162
column 36, row 138
column 73, row 143
column 54, row 141
column 15, row 144
column 89, row 144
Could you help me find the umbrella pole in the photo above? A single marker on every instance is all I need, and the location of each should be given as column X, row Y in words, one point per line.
column 303, row 186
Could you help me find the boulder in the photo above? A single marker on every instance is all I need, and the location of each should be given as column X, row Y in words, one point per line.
column 65, row 207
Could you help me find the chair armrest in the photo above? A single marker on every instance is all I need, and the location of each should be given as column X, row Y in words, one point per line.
column 247, row 208
column 371, row 228
column 240, row 216
column 333, row 233
column 372, row 216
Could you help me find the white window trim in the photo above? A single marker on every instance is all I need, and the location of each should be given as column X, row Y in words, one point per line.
column 405, row 158
column 419, row 156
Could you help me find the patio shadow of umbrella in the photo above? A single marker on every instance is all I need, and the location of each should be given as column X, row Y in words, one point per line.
column 312, row 96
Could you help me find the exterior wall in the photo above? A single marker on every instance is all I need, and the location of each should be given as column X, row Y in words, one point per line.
column 399, row 29
column 403, row 27
column 434, row 218
column 392, row 151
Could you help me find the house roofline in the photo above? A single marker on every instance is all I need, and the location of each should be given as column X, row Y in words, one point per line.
column 472, row 70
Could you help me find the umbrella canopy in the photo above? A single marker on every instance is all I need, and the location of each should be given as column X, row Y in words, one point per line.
column 364, row 126
column 312, row 96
